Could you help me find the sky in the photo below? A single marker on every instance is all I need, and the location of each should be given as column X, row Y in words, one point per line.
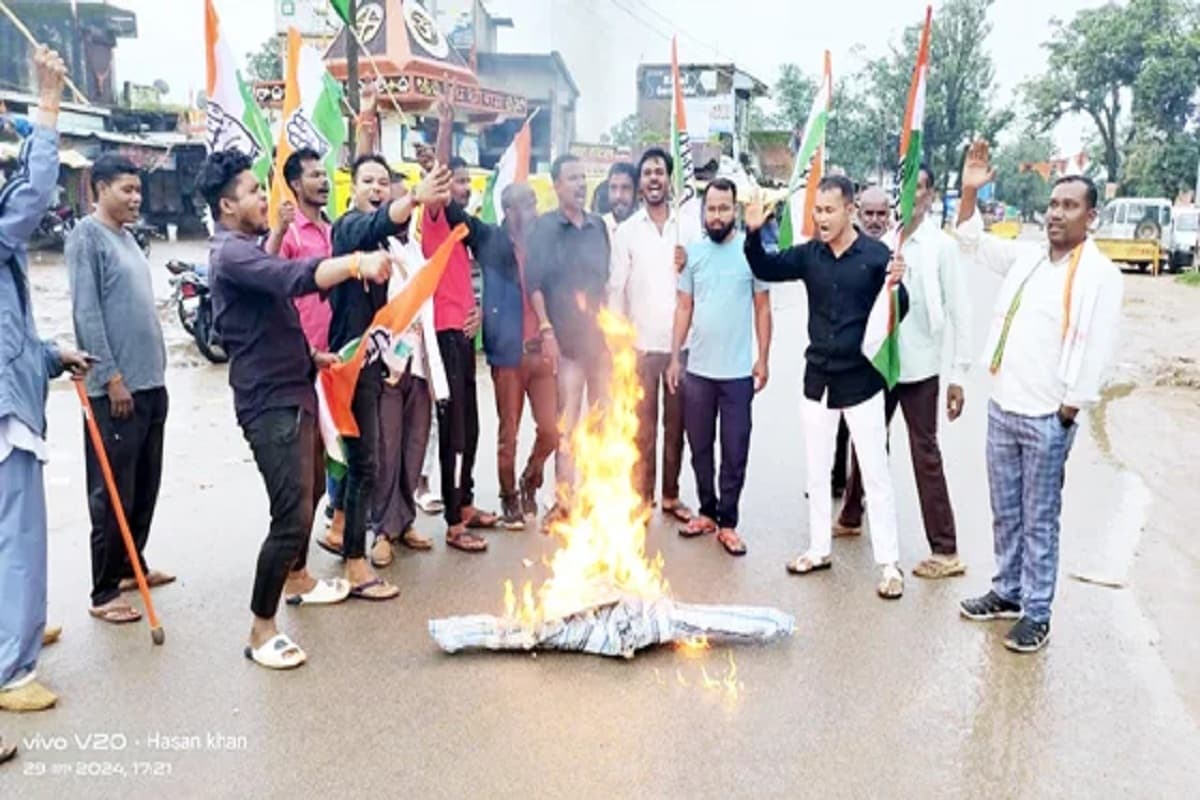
column 603, row 41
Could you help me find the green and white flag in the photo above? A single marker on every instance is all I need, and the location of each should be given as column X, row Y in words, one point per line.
column 795, row 219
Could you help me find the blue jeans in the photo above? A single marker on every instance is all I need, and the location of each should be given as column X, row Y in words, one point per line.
column 1026, row 462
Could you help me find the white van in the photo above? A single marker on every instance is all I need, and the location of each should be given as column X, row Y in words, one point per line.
column 1137, row 218
column 1185, row 223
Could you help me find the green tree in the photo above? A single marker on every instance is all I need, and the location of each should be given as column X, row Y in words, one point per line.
column 1027, row 190
column 267, row 63
column 631, row 132
column 1146, row 50
column 793, row 95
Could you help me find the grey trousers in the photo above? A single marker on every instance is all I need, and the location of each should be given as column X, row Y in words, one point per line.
column 22, row 564
column 404, row 420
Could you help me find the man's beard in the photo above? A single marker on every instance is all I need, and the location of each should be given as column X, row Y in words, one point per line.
column 720, row 233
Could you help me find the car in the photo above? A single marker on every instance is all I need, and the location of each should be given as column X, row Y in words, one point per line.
column 1185, row 223
column 1136, row 230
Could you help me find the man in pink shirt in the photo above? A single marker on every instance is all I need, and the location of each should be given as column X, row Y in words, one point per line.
column 304, row 232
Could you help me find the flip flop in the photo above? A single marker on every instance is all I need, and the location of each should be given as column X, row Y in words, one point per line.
column 359, row 592
column 698, row 525
column 329, row 548
column 117, row 615
column 803, row 565
column 466, row 542
column 679, row 511
column 479, row 521
column 278, row 652
column 327, row 592
column 732, row 543
column 154, row 579
column 51, row 635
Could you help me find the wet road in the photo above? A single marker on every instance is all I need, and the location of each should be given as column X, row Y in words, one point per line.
column 868, row 699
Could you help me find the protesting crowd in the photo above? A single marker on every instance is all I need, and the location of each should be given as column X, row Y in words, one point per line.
column 297, row 295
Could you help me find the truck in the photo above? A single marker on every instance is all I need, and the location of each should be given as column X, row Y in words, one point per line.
column 1136, row 231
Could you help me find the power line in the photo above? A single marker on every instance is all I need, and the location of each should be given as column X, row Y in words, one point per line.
column 640, row 19
column 687, row 34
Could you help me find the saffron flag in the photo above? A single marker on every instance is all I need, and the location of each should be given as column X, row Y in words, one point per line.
column 234, row 121
column 513, row 168
column 312, row 117
column 681, row 147
column 809, row 167
column 382, row 339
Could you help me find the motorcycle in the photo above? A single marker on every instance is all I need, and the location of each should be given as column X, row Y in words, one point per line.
column 193, row 304
column 56, row 224
column 143, row 232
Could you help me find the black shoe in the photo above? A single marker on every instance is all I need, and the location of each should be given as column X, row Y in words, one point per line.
column 1027, row 636
column 511, row 518
column 990, row 606
column 529, row 504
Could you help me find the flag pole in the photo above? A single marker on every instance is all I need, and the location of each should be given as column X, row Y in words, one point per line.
column 353, row 31
column 20, row 26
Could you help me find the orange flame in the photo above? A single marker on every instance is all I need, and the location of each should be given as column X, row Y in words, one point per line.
column 602, row 539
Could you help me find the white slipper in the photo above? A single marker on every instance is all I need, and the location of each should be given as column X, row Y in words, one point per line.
column 327, row 592
column 279, row 652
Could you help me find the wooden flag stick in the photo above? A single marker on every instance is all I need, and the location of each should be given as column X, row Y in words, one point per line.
column 20, row 26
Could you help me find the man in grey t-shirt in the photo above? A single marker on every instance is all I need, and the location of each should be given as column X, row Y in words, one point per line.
column 116, row 320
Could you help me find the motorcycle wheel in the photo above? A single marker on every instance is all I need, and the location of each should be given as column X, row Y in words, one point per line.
column 206, row 337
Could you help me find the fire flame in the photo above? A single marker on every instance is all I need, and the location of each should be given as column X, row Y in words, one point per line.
column 602, row 551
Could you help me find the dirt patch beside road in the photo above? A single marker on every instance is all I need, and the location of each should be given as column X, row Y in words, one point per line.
column 1151, row 423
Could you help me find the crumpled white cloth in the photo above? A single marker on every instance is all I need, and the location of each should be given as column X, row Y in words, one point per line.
column 616, row 629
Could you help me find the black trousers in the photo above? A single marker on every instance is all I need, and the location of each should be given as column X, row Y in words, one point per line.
column 362, row 459
column 282, row 442
column 458, row 425
column 705, row 401
column 135, row 453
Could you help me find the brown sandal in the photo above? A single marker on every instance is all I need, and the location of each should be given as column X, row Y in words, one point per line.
column 118, row 614
column 154, row 579
column 415, row 541
column 679, row 511
column 482, row 520
column 466, row 542
column 698, row 525
column 732, row 543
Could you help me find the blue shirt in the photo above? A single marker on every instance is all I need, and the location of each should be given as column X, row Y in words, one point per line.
column 718, row 278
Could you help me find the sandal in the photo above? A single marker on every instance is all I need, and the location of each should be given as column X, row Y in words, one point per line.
column 891, row 583
column 386, row 590
column 279, row 652
column 327, row 592
column 381, row 552
column 481, row 520
column 415, row 541
column 940, row 567
column 467, row 542
column 678, row 510
column 51, row 635
column 803, row 565
column 698, row 526
column 154, row 579
column 330, row 547
column 117, row 613
column 732, row 543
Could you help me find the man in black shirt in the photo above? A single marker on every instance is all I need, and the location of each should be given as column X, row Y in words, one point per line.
column 366, row 227
column 272, row 370
column 567, row 281
column 843, row 272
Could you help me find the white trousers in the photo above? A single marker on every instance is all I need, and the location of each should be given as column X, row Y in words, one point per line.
column 868, row 431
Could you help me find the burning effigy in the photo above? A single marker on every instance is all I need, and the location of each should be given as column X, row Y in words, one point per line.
column 604, row 595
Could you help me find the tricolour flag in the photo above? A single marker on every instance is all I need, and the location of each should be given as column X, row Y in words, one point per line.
column 382, row 337
column 312, row 116
column 342, row 9
column 681, row 147
column 233, row 119
column 881, row 339
column 809, row 167
column 513, row 168
column 910, row 134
